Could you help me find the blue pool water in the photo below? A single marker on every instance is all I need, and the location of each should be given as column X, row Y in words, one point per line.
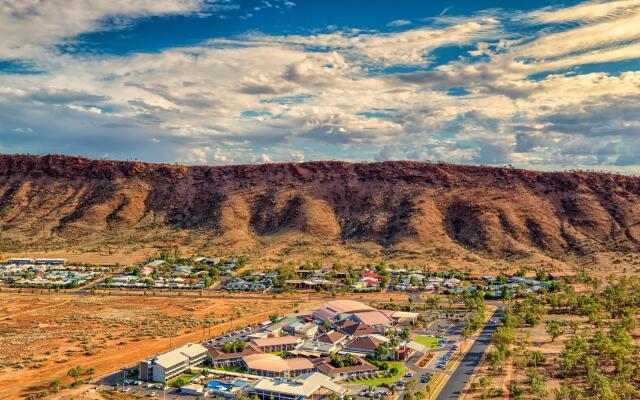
column 224, row 386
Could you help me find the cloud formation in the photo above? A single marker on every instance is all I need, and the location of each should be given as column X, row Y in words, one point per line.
column 517, row 92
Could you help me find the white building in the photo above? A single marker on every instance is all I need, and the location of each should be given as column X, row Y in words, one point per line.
column 21, row 261
column 51, row 261
column 306, row 386
column 166, row 366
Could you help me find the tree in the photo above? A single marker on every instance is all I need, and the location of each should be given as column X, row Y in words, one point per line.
column 504, row 336
column 432, row 301
column 572, row 354
column 55, row 385
column 405, row 334
column 536, row 382
column 76, row 373
column 554, row 329
column 536, row 358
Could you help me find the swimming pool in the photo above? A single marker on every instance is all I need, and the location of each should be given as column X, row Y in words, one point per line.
column 224, row 386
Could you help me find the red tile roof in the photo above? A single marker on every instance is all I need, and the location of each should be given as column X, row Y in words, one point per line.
column 331, row 337
column 324, row 365
column 356, row 329
column 217, row 353
column 366, row 343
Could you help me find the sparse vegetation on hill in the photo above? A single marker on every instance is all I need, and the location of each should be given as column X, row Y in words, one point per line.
column 405, row 211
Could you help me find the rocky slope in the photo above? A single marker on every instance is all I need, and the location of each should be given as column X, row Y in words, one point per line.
column 59, row 201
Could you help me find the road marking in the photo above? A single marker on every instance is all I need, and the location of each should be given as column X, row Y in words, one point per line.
column 433, row 394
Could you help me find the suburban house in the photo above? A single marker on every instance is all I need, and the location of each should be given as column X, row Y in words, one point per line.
column 281, row 343
column 272, row 365
column 166, row 366
column 307, row 386
column 309, row 283
column 219, row 358
column 363, row 370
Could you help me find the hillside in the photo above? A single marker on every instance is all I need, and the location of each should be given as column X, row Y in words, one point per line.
column 405, row 211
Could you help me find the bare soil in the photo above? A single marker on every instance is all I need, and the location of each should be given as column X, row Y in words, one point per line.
column 43, row 336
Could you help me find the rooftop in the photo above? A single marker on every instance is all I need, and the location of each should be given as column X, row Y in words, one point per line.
column 334, row 308
column 306, row 385
column 180, row 354
column 276, row 341
column 331, row 337
column 373, row 318
column 324, row 365
column 272, row 362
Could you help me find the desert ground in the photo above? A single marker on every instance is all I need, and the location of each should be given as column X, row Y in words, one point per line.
column 536, row 339
column 43, row 336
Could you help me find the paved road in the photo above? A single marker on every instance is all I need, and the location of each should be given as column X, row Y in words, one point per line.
column 459, row 378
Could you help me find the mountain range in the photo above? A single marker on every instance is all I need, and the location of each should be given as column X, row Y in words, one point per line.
column 398, row 209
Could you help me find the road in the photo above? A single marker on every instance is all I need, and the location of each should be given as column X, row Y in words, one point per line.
column 459, row 378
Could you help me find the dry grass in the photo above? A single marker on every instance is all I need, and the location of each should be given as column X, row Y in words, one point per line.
column 58, row 332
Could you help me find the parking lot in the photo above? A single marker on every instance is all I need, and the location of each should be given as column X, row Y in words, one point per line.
column 240, row 334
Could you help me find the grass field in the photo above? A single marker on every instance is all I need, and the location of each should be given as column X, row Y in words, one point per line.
column 383, row 379
column 239, row 370
column 429, row 341
column 180, row 380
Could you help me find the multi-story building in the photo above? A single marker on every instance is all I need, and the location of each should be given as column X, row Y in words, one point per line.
column 166, row 366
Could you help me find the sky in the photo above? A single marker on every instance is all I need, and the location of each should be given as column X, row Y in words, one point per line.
column 534, row 84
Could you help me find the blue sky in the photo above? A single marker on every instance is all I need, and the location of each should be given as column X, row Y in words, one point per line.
column 535, row 84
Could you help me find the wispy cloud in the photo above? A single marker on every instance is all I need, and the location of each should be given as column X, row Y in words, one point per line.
column 399, row 22
column 510, row 95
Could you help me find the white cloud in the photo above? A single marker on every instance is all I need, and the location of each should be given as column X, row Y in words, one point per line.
column 585, row 11
column 28, row 28
column 261, row 98
column 399, row 22
column 409, row 47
